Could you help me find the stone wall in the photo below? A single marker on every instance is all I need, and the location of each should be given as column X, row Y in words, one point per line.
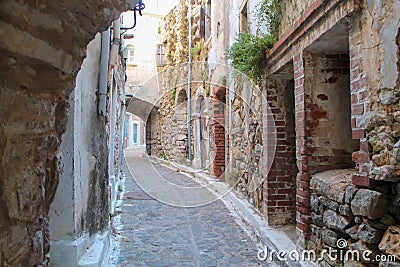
column 42, row 47
column 175, row 34
column 347, row 104
column 376, row 92
column 168, row 126
column 373, row 221
column 293, row 11
column 247, row 142
column 348, row 218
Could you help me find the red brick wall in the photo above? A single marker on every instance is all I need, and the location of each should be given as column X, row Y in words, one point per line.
column 303, row 218
column 279, row 185
column 219, row 130
column 359, row 100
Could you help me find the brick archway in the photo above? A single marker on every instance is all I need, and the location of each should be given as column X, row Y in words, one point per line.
column 41, row 50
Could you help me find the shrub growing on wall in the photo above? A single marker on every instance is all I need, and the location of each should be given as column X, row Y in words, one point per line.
column 248, row 54
column 249, row 51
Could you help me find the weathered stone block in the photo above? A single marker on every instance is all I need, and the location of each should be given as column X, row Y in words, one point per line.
column 396, row 129
column 382, row 140
column 370, row 204
column 396, row 116
column 388, row 220
column 381, row 159
column 329, row 203
column 332, row 184
column 335, row 221
column 361, row 247
column 369, row 235
column 385, row 173
column 388, row 97
column 375, row 120
column 316, row 205
column 389, row 264
column 349, row 194
column 396, row 151
column 317, row 219
column 345, row 210
column 390, row 243
column 331, row 261
column 353, row 232
column 329, row 237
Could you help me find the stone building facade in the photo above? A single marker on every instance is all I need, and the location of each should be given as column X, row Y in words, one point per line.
column 51, row 133
column 346, row 103
column 330, row 164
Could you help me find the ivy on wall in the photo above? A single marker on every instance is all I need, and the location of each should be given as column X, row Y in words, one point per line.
column 270, row 13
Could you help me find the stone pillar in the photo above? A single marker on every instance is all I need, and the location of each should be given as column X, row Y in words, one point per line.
column 359, row 101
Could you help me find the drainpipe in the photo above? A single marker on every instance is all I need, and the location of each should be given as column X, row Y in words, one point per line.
column 189, row 84
column 115, row 43
column 105, row 55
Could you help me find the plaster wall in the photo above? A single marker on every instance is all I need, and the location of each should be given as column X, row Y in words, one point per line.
column 80, row 206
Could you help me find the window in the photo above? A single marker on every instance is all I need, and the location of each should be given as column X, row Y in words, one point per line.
column 131, row 55
column 135, row 133
column 161, row 55
column 243, row 19
column 208, row 20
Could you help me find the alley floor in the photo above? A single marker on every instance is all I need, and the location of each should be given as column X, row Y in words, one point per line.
column 152, row 232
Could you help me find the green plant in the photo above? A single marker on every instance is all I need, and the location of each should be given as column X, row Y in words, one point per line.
column 195, row 50
column 120, row 188
column 270, row 13
column 224, row 81
column 249, row 52
column 173, row 93
column 208, row 92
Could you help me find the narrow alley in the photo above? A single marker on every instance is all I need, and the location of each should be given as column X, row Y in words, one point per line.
column 147, row 232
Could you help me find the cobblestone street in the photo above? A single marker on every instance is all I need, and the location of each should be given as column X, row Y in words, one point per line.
column 147, row 232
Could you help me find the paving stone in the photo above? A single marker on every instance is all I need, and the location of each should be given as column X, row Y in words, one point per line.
column 158, row 234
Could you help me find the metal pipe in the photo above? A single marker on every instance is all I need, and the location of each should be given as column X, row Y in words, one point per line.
column 115, row 43
column 105, row 55
column 189, row 91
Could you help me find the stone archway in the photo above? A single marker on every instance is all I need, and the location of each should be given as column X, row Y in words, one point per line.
column 181, row 117
column 201, row 133
column 42, row 46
